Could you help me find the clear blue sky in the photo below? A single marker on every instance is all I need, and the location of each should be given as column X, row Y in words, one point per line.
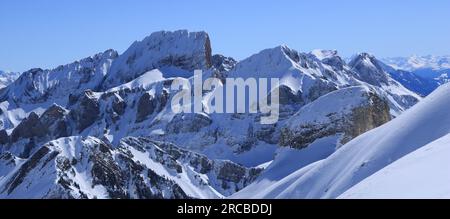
column 46, row 33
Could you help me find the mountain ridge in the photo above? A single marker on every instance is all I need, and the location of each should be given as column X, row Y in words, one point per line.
column 107, row 105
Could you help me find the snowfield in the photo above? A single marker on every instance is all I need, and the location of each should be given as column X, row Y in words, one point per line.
column 423, row 173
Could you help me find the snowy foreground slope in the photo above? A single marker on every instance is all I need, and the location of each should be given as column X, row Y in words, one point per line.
column 423, row 173
column 366, row 155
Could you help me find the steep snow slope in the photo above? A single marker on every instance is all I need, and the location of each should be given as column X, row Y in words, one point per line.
column 289, row 164
column 363, row 156
column 423, row 173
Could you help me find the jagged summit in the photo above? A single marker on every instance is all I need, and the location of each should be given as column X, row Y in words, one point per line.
column 322, row 54
column 181, row 49
column 40, row 85
column 223, row 63
column 369, row 69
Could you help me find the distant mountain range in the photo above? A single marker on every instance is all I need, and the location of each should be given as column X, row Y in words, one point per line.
column 419, row 62
column 7, row 78
column 102, row 127
column 435, row 69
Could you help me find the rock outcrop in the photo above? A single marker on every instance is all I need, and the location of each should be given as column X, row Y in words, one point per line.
column 223, row 63
column 29, row 128
column 184, row 123
column 77, row 167
column 86, row 110
column 349, row 112
column 146, row 106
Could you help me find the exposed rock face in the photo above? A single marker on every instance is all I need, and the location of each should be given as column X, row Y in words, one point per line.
column 333, row 114
column 55, row 121
column 4, row 138
column 288, row 96
column 86, row 111
column 52, row 124
column 222, row 63
column 183, row 123
column 138, row 168
column 29, row 128
column 34, row 130
column 320, row 88
column 119, row 105
column 181, row 49
column 229, row 177
column 119, row 177
column 146, row 106
column 7, row 163
column 24, row 170
column 368, row 117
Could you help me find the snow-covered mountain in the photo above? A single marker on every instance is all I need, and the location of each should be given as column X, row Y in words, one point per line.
column 7, row 78
column 424, row 125
column 181, row 49
column 419, row 62
column 412, row 81
column 37, row 89
column 370, row 70
column 435, row 68
column 103, row 126
column 76, row 167
column 39, row 86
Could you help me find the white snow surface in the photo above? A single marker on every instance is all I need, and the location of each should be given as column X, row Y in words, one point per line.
column 423, row 174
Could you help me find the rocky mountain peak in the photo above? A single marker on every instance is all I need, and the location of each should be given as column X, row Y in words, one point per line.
column 223, row 63
column 368, row 69
column 322, row 54
column 181, row 49
column 54, row 85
